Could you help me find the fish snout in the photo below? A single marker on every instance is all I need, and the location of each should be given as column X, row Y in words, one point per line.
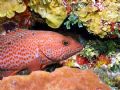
column 72, row 50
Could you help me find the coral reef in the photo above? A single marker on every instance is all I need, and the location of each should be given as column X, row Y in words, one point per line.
column 101, row 17
column 64, row 78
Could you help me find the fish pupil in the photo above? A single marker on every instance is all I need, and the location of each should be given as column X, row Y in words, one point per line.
column 65, row 43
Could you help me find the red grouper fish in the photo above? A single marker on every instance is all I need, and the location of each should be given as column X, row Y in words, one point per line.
column 33, row 50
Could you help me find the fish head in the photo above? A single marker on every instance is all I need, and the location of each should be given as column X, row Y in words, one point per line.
column 57, row 47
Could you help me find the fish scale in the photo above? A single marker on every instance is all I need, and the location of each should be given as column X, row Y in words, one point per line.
column 22, row 49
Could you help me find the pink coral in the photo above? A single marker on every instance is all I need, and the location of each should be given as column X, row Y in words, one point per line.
column 64, row 78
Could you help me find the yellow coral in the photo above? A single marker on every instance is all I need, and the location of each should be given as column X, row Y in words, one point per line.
column 9, row 7
column 52, row 10
column 98, row 21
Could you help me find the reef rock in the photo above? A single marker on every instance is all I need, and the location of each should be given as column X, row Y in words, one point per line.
column 64, row 78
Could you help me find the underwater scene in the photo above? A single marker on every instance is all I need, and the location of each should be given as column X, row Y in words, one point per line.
column 59, row 44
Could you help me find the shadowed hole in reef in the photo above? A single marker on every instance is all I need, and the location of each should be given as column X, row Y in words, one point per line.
column 49, row 68
column 52, row 67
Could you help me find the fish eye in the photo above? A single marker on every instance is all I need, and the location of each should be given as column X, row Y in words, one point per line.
column 65, row 43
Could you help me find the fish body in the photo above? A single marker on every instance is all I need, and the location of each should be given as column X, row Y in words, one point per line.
column 33, row 50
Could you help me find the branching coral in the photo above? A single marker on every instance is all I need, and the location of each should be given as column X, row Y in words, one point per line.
column 53, row 10
column 9, row 7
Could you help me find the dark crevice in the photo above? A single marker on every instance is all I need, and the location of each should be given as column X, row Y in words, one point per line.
column 52, row 67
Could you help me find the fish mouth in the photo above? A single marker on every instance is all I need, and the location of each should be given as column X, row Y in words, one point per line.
column 73, row 56
column 71, row 53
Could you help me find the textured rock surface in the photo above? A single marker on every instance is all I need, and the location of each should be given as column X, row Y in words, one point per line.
column 64, row 78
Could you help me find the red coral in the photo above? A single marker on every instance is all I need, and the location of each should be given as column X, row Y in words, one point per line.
column 23, row 19
column 82, row 60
